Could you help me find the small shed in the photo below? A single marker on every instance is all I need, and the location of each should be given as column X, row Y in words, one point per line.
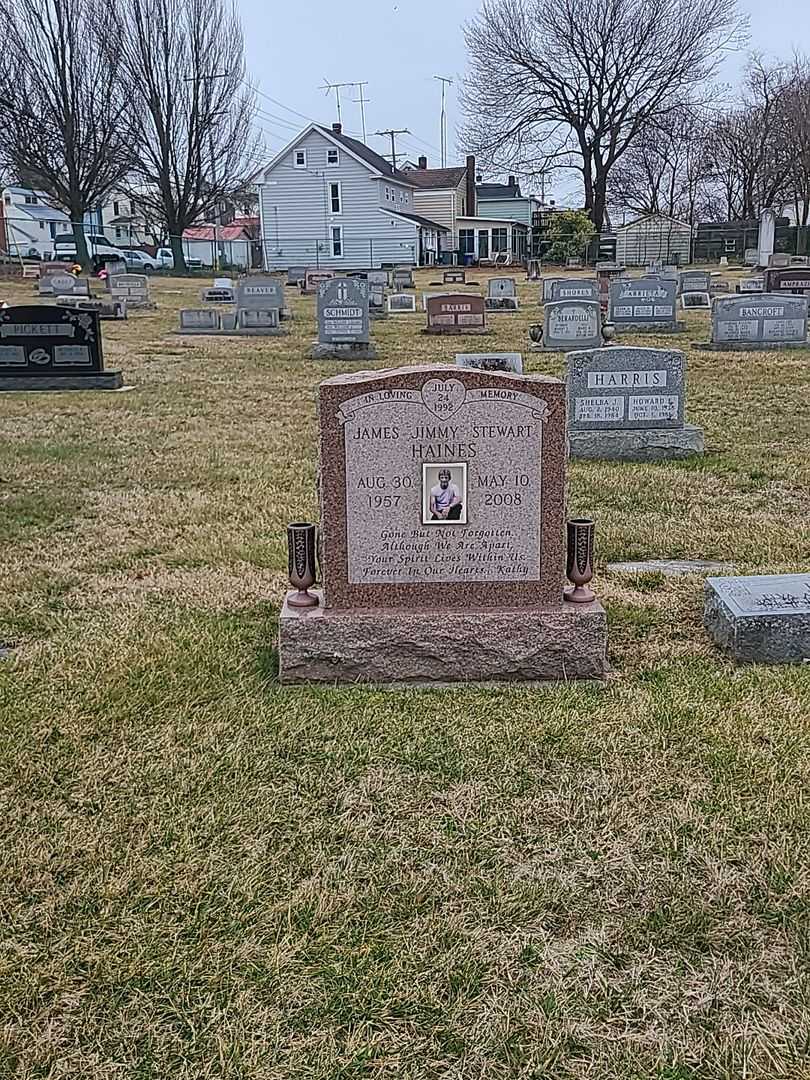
column 231, row 243
column 653, row 238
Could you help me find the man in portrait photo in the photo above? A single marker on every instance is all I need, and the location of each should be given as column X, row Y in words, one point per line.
column 445, row 499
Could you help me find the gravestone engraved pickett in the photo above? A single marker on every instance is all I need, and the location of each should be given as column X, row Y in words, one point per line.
column 572, row 324
column 647, row 303
column 761, row 321
column 456, row 314
column 52, row 348
column 442, row 510
column 343, row 320
column 627, row 403
column 763, row 619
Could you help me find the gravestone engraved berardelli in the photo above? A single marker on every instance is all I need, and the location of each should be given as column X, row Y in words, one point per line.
column 627, row 403
column 456, row 313
column 343, row 320
column 574, row 289
column 401, row 304
column 506, row 361
column 761, row 321
column 52, row 348
column 648, row 303
column 572, row 324
column 762, row 619
column 442, row 512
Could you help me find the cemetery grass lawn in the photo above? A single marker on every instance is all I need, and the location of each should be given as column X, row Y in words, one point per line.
column 205, row 875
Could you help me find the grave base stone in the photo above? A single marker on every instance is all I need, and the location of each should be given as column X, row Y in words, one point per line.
column 647, row 444
column 106, row 380
column 405, row 648
column 354, row 350
column 761, row 619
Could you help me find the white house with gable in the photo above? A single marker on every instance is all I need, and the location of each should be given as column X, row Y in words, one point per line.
column 329, row 200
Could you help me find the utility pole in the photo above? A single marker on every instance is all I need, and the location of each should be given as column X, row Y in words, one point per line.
column 393, row 132
column 337, row 87
column 443, row 121
column 362, row 102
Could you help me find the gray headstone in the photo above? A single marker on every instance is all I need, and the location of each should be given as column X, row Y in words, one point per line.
column 296, row 274
column 778, row 261
column 254, row 318
column 499, row 287
column 694, row 281
column 343, row 315
column 428, row 295
column 376, row 295
column 377, row 277
column 134, row 288
column 626, row 388
column 643, row 301
column 218, row 295
column 401, row 278
column 259, row 293
column 402, row 303
column 505, row 361
column 575, row 289
column 753, row 284
column 572, row 324
column 548, row 287
column 223, row 283
column 199, row 319
column 456, row 276
column 766, row 318
column 762, row 618
column 696, row 300
column 501, row 303
column 751, row 256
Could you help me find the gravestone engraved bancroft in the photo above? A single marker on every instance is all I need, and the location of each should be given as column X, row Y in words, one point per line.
column 572, row 324
column 761, row 321
column 507, row 361
column 627, row 403
column 52, row 348
column 574, row 289
column 456, row 314
column 343, row 320
column 648, row 303
column 762, row 619
column 442, row 509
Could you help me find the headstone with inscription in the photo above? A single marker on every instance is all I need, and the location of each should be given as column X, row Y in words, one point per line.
column 343, row 321
column 402, row 278
column 548, row 287
column 199, row 320
column 442, row 515
column 501, row 295
column 456, row 314
column 778, row 261
column 647, row 303
column 401, row 304
column 296, row 274
column 456, row 276
column 575, row 289
column 696, row 300
column 376, row 300
column 377, row 277
column 218, row 294
column 572, row 324
column 63, row 284
column 52, row 348
column 49, row 271
column 505, row 361
column 106, row 307
column 132, row 289
column 627, row 404
column 313, row 278
column 753, row 284
column 759, row 321
column 694, row 281
column 261, row 294
column 114, row 268
column 761, row 619
column 751, row 256
column 793, row 281
column 258, row 322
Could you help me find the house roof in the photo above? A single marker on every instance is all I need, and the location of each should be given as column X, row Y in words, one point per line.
column 366, row 153
column 44, row 213
column 651, row 218
column 223, row 232
column 437, row 178
column 498, row 191
column 426, row 223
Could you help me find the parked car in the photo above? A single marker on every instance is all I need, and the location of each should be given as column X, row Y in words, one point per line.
column 99, row 248
column 166, row 259
column 139, row 261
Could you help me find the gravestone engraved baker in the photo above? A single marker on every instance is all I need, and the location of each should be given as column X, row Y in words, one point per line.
column 402, row 278
column 442, row 509
column 572, row 324
column 793, row 281
column 763, row 619
column 401, row 303
column 456, row 313
column 52, row 348
column 696, row 300
column 627, row 403
column 456, row 276
column 343, row 320
column 575, row 289
column 506, row 361
column 647, row 303
column 694, row 281
column 761, row 321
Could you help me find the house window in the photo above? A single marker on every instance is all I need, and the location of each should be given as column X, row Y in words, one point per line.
column 118, row 233
column 300, row 159
column 731, row 246
column 42, row 224
column 332, row 157
column 30, row 200
column 116, row 210
column 7, row 200
column 499, row 240
column 337, row 240
column 466, row 241
column 334, row 198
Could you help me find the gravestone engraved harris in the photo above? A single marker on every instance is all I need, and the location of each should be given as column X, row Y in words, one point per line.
column 645, row 303
column 760, row 321
column 52, row 348
column 761, row 619
column 456, row 313
column 442, row 510
column 627, row 403
column 343, row 320
column 572, row 324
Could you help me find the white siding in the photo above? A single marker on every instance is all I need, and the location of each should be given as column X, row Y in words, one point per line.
column 438, row 204
column 652, row 238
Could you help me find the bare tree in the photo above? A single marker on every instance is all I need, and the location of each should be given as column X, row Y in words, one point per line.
column 64, row 123
column 572, row 83
column 192, row 111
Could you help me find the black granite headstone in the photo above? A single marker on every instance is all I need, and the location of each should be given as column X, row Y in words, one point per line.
column 52, row 348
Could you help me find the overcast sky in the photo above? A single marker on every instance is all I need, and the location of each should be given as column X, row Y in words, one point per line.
column 397, row 46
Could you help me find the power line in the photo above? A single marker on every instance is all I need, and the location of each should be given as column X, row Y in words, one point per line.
column 393, row 132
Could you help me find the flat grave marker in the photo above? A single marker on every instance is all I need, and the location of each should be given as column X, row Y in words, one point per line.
column 762, row 619
column 506, row 361
column 456, row 276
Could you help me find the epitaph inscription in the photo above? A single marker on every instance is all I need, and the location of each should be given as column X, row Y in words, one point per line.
column 43, row 341
column 625, row 388
column 643, row 302
column 343, row 311
column 572, row 324
column 575, row 289
column 769, row 318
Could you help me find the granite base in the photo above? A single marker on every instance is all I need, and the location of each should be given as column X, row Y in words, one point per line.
column 357, row 351
column 107, row 380
column 657, row 444
column 436, row 648
column 645, row 328
column 757, row 639
column 264, row 331
column 748, row 346
column 456, row 331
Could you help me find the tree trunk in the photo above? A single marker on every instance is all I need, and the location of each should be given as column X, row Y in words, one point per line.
column 176, row 242
column 599, row 199
column 82, row 255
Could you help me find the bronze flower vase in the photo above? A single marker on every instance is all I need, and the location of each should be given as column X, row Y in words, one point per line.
column 301, row 559
column 579, row 568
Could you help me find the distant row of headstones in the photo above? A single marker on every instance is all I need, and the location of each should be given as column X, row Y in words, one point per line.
column 124, row 291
